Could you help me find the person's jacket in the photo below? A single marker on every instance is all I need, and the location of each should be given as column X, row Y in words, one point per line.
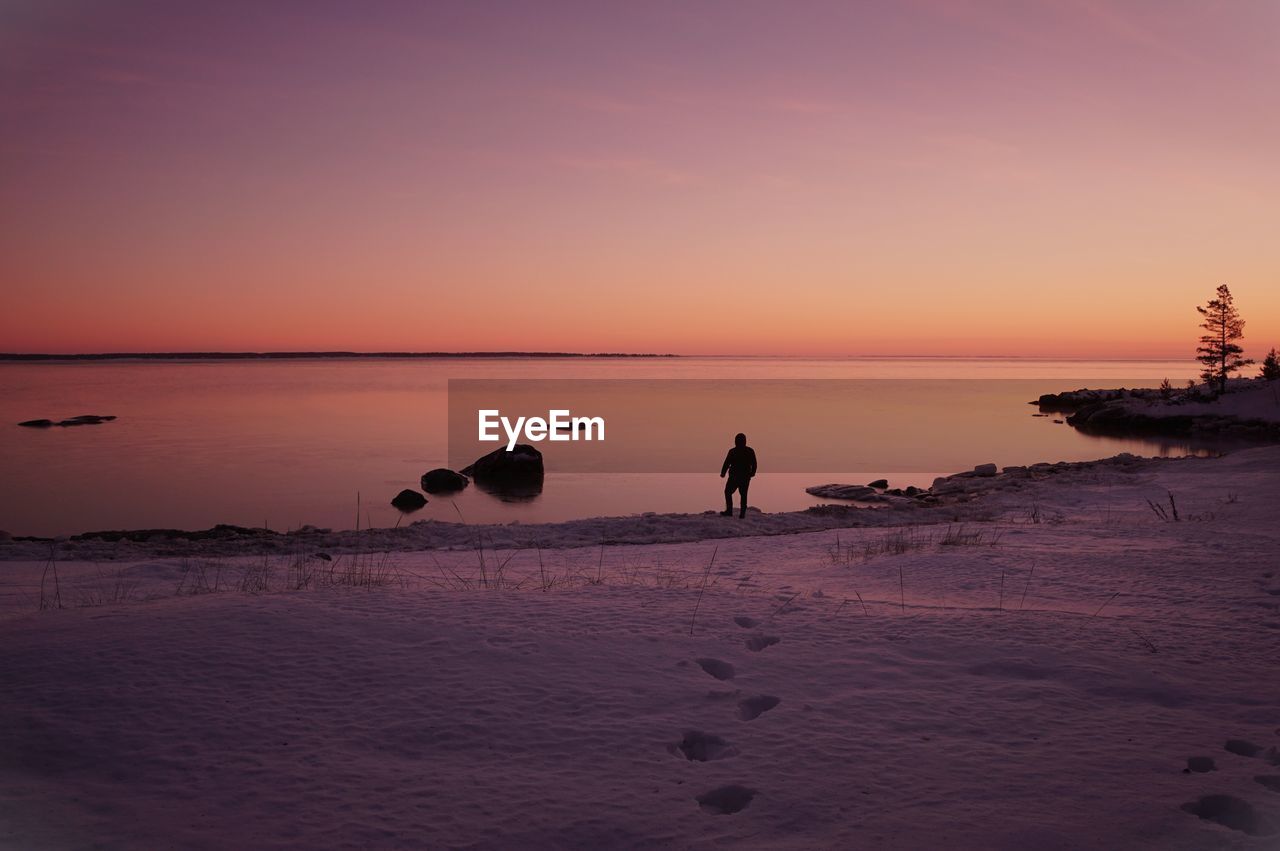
column 740, row 463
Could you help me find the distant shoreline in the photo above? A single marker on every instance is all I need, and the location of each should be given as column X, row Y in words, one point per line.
column 21, row 357
column 11, row 356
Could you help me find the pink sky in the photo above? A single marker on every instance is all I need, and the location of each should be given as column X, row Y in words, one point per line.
column 924, row 177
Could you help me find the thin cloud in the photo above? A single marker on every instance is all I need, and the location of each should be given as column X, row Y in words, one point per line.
column 1125, row 28
column 631, row 167
column 119, row 77
column 594, row 102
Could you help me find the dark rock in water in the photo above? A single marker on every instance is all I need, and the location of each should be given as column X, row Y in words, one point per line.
column 87, row 419
column 912, row 490
column 517, row 473
column 441, row 480
column 408, row 501
column 879, row 483
column 1073, row 400
column 83, row 419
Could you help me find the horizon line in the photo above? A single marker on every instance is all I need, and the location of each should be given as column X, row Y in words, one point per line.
column 336, row 354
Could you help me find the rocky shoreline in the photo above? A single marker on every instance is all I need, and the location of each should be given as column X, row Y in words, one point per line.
column 1248, row 411
column 960, row 497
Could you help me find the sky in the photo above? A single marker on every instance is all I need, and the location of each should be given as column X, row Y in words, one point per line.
column 934, row 177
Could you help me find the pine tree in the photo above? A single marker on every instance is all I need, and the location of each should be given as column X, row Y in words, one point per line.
column 1271, row 366
column 1218, row 350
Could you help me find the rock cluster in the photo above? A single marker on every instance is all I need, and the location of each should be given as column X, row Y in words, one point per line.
column 83, row 419
column 963, row 486
column 1119, row 418
column 873, row 492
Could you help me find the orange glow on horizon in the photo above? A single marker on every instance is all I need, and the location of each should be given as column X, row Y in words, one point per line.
column 1066, row 179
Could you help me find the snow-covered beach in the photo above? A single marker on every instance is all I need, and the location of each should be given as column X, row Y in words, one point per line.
column 1033, row 661
column 640, row 426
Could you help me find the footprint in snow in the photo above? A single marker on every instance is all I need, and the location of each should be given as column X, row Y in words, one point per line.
column 745, row 622
column 726, row 800
column 1240, row 747
column 760, row 641
column 697, row 746
column 752, row 708
column 716, row 668
column 1230, row 811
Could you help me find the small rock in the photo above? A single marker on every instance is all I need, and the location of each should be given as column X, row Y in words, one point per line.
column 83, row 419
column 87, row 419
column 442, row 480
column 408, row 501
column 838, row 491
column 985, row 470
column 879, row 484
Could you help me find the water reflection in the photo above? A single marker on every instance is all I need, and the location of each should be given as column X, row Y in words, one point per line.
column 287, row 444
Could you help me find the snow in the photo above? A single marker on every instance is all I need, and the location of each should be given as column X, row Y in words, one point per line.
column 1033, row 662
column 1246, row 399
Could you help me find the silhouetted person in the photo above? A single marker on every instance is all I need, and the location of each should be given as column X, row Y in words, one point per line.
column 740, row 466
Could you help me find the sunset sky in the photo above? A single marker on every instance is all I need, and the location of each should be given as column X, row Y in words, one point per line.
column 847, row 178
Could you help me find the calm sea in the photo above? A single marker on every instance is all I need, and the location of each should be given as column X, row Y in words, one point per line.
column 286, row 443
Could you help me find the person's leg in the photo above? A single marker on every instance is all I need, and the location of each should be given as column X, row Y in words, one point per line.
column 729, row 486
column 742, row 488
